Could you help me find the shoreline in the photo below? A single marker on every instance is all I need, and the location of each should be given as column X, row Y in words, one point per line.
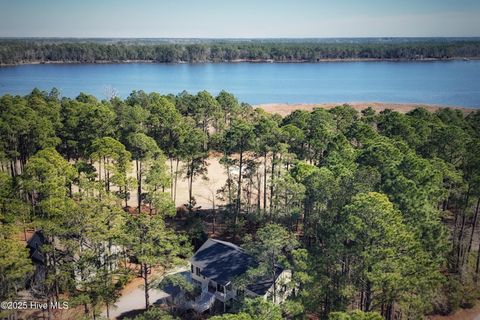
column 59, row 62
column 285, row 109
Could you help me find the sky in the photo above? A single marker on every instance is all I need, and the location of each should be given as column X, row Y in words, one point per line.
column 239, row 19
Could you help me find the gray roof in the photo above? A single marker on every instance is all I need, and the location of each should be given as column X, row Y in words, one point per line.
column 35, row 246
column 223, row 261
column 261, row 286
column 37, row 240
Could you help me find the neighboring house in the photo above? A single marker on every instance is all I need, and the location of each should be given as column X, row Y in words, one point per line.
column 216, row 265
column 34, row 246
column 37, row 280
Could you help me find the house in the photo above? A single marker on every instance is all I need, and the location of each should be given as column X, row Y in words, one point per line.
column 34, row 246
column 216, row 265
column 36, row 253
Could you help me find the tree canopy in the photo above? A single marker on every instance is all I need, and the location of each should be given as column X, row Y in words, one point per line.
column 373, row 212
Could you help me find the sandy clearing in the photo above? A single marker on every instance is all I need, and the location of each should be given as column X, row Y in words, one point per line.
column 205, row 191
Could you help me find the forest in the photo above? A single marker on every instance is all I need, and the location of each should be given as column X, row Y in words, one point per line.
column 18, row 51
column 376, row 214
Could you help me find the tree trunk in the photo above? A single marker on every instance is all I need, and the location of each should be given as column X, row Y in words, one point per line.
column 259, row 192
column 171, row 177
column 104, row 173
column 13, row 166
column 306, row 223
column 389, row 312
column 49, row 310
column 274, row 280
column 368, row 297
column 175, row 187
column 474, row 223
column 272, row 174
column 146, row 285
column 205, row 130
column 229, row 180
column 126, row 195
column 214, row 216
column 326, row 307
column 462, row 229
column 190, row 184
column 100, row 171
column 139, row 185
column 249, row 194
column 239, row 190
column 54, row 260
column 265, row 182
column 477, row 264
column 108, row 177
column 361, row 300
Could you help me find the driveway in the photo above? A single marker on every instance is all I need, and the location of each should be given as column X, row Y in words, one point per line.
column 132, row 299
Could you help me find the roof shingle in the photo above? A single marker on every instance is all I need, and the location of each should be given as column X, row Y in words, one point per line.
column 223, row 261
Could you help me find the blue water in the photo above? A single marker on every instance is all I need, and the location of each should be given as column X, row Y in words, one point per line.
column 448, row 83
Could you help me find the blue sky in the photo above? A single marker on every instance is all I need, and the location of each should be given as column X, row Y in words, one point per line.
column 238, row 19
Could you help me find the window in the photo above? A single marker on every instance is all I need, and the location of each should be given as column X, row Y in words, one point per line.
column 197, row 271
column 220, row 288
column 228, row 287
column 191, row 268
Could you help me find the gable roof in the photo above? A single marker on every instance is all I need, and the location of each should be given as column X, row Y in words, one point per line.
column 222, row 261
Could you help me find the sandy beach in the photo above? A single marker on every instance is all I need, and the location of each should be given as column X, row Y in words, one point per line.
column 284, row 109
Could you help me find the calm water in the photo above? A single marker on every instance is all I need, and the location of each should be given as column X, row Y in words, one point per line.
column 449, row 83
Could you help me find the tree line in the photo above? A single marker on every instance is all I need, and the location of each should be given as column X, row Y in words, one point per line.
column 375, row 213
column 71, row 51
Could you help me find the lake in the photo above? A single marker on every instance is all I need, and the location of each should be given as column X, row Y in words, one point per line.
column 454, row 83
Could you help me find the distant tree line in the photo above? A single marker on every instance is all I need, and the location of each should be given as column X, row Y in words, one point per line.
column 37, row 51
